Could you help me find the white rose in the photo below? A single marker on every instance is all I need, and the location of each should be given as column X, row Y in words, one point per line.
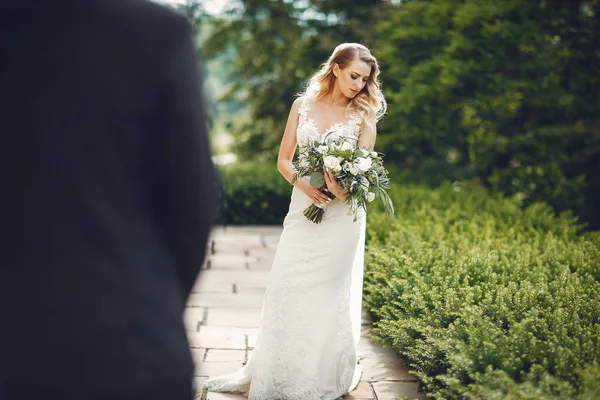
column 331, row 162
column 353, row 170
column 370, row 196
column 322, row 149
column 363, row 164
column 347, row 146
column 374, row 154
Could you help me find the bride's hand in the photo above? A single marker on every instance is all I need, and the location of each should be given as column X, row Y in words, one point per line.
column 312, row 192
column 334, row 187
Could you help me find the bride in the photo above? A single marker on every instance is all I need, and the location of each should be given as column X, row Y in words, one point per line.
column 310, row 327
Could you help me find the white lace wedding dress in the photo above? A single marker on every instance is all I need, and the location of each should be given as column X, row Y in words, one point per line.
column 310, row 327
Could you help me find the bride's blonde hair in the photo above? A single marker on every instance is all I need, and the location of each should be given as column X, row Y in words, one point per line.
column 370, row 102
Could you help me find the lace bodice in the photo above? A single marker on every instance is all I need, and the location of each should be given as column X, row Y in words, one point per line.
column 308, row 130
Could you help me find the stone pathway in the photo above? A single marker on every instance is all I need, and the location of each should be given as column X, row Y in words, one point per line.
column 224, row 310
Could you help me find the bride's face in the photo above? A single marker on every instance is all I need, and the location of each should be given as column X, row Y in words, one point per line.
column 352, row 79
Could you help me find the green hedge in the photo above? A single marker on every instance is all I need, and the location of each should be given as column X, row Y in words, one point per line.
column 253, row 193
column 485, row 299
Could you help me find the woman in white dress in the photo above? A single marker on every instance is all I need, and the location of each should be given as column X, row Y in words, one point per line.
column 310, row 327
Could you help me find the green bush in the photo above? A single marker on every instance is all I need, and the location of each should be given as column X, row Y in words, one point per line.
column 485, row 299
column 254, row 194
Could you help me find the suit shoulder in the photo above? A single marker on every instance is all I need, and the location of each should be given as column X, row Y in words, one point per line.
column 144, row 15
column 145, row 29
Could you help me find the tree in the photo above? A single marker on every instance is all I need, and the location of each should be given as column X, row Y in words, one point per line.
column 276, row 46
column 499, row 91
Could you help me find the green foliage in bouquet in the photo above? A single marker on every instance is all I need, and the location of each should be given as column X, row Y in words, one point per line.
column 486, row 299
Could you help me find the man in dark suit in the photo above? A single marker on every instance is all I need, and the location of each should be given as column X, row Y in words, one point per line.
column 108, row 197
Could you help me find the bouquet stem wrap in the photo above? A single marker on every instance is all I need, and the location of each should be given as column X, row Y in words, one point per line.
column 315, row 212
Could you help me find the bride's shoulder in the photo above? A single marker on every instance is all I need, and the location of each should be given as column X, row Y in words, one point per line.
column 302, row 104
column 297, row 103
column 370, row 124
column 298, row 106
column 368, row 127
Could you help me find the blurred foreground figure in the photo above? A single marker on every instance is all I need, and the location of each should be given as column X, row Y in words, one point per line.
column 107, row 200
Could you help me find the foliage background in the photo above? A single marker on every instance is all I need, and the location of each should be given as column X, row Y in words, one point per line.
column 504, row 92
column 489, row 282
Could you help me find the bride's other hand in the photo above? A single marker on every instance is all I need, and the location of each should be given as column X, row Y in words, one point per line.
column 312, row 192
column 334, row 187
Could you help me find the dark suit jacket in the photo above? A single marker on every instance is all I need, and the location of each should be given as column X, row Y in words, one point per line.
column 108, row 192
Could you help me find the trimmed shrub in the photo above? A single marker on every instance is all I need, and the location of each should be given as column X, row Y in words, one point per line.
column 253, row 194
column 485, row 299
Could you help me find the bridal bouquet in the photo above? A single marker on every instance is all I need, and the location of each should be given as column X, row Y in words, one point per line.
column 359, row 172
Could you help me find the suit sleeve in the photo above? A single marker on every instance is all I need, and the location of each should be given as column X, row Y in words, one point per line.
column 189, row 178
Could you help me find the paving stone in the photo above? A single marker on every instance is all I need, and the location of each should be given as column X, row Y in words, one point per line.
column 199, row 383
column 244, row 318
column 390, row 368
column 205, row 262
column 198, row 355
column 230, row 241
column 271, row 242
column 231, row 261
column 217, row 230
column 370, row 348
column 265, row 230
column 218, row 338
column 212, row 369
column 263, row 263
column 395, row 390
column 204, row 286
column 261, row 253
column 192, row 317
column 262, row 258
column 224, row 300
column 366, row 330
column 260, row 291
column 219, row 355
column 240, row 278
column 366, row 318
column 199, row 386
column 252, row 337
column 261, row 266
column 233, row 246
column 363, row 391
column 254, row 285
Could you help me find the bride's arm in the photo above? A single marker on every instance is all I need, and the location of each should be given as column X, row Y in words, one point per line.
column 286, row 155
column 288, row 144
column 367, row 137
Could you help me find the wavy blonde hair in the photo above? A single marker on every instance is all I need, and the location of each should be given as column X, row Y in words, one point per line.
column 369, row 102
